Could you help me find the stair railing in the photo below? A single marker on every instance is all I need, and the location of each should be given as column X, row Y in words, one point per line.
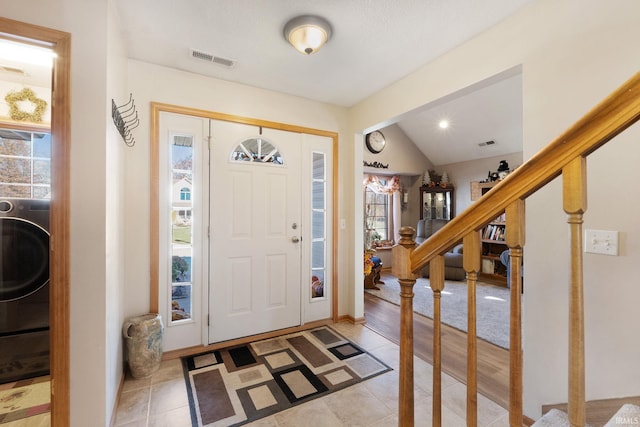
column 565, row 156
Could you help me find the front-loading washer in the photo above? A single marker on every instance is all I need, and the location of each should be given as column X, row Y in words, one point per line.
column 24, row 289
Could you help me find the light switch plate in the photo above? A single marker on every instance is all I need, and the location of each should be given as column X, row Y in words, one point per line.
column 601, row 242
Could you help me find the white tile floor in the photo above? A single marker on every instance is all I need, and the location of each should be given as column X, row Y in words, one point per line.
column 162, row 399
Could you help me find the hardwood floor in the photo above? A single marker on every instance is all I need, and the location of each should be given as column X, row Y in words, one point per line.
column 493, row 361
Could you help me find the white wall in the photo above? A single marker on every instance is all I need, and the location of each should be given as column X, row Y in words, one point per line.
column 151, row 83
column 94, row 293
column 116, row 213
column 573, row 53
column 400, row 154
column 404, row 159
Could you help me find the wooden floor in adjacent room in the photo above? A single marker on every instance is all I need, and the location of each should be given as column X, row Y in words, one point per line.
column 493, row 361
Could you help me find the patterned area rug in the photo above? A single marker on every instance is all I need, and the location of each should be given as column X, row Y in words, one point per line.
column 23, row 399
column 241, row 384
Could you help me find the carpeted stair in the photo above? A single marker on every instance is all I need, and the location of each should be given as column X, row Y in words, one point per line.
column 627, row 415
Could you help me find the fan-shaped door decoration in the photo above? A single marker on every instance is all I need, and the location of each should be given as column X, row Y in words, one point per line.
column 257, row 149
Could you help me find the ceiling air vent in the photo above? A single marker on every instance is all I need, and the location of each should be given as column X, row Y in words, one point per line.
column 207, row 57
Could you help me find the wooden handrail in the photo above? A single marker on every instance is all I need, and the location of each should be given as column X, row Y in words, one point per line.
column 564, row 156
column 613, row 115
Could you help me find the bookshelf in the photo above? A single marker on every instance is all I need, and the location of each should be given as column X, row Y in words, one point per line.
column 492, row 239
column 493, row 244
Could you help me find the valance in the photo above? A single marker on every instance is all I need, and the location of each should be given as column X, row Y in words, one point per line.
column 382, row 184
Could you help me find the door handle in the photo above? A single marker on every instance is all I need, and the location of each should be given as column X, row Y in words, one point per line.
column 295, row 239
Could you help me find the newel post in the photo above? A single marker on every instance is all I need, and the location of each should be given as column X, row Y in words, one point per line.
column 401, row 268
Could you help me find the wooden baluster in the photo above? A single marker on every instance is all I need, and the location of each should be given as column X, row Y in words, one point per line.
column 436, row 281
column 514, row 239
column 574, row 198
column 471, row 262
column 401, row 268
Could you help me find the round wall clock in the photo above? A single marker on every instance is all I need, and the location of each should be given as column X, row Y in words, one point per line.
column 375, row 142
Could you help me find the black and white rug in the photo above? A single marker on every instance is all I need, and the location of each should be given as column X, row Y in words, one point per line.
column 244, row 383
column 492, row 305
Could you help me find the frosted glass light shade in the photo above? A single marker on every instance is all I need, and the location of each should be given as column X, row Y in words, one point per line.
column 307, row 33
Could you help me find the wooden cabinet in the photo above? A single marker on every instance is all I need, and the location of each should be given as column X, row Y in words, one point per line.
column 480, row 188
column 437, row 202
column 493, row 244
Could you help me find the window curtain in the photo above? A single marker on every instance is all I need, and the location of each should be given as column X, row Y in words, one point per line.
column 390, row 187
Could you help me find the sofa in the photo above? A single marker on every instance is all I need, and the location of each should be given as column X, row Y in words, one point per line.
column 453, row 269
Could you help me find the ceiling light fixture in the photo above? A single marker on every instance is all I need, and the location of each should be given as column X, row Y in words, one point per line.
column 443, row 124
column 307, row 33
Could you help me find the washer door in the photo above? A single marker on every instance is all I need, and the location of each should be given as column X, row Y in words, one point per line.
column 24, row 258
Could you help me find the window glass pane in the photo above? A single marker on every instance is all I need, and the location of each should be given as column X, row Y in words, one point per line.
column 41, row 171
column 15, row 147
column 318, row 224
column 41, row 193
column 25, row 164
column 257, row 150
column 317, row 255
column 376, row 220
column 15, row 170
column 318, row 166
column 317, row 195
column 370, row 197
column 42, row 145
column 17, row 191
column 180, row 302
column 317, row 283
column 181, row 227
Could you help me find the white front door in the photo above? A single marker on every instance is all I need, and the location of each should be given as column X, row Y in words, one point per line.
column 255, row 230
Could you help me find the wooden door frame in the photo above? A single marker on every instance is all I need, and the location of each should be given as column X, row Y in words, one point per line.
column 59, row 310
column 156, row 109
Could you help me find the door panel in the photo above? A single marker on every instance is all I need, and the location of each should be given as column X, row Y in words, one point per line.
column 254, row 279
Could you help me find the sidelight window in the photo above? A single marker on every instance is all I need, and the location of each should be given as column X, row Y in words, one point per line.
column 318, row 224
column 181, row 227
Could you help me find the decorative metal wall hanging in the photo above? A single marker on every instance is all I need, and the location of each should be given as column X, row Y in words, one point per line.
column 125, row 117
column 375, row 165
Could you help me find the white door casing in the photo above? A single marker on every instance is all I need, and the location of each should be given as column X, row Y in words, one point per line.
column 182, row 333
column 317, row 209
column 248, row 276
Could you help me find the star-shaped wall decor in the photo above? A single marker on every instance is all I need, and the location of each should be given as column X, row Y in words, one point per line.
column 26, row 94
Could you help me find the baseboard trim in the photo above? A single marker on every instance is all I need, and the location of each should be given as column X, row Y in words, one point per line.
column 351, row 319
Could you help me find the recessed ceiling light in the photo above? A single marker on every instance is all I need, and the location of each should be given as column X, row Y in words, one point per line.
column 443, row 124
